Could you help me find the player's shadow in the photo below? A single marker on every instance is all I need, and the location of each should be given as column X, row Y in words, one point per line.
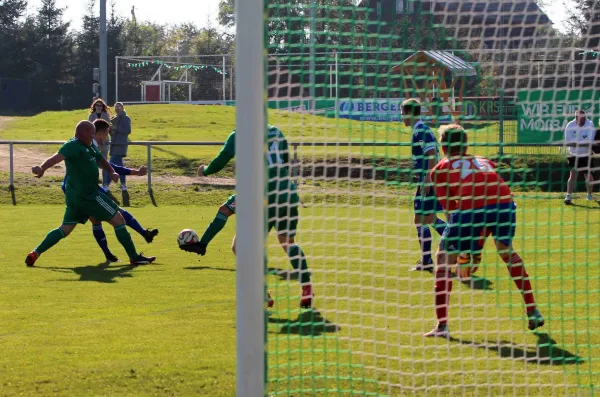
column 222, row 269
column 480, row 283
column 547, row 351
column 285, row 275
column 308, row 323
column 100, row 273
column 586, row 206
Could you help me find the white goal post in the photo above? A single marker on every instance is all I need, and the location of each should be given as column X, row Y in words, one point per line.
column 250, row 187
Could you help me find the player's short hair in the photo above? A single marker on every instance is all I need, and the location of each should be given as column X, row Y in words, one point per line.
column 101, row 124
column 411, row 107
column 453, row 137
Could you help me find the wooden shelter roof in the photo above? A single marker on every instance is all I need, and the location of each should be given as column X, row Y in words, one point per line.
column 423, row 61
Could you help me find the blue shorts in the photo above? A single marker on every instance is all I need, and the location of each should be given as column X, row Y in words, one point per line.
column 425, row 205
column 466, row 227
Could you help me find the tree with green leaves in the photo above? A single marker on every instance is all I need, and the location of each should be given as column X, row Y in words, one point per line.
column 11, row 12
column 53, row 53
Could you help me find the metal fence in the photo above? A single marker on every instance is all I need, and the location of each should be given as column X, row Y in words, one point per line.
column 295, row 145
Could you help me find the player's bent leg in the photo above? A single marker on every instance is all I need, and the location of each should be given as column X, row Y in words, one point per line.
column 217, row 224
column 233, row 245
column 118, row 222
column 52, row 238
column 571, row 185
column 100, row 236
column 285, row 222
column 424, row 235
column 590, row 183
column 443, row 288
column 132, row 222
column 517, row 272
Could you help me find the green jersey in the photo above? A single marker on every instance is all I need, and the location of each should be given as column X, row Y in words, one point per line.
column 279, row 183
column 82, row 169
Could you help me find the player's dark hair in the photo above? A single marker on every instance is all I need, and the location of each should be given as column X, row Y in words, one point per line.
column 411, row 107
column 101, row 124
column 453, row 137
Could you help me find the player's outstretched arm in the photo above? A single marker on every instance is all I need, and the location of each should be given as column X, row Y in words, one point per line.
column 39, row 170
column 105, row 165
column 124, row 170
column 216, row 165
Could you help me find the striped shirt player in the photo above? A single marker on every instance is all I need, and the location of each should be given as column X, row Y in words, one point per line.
column 425, row 154
column 282, row 207
column 477, row 198
column 580, row 136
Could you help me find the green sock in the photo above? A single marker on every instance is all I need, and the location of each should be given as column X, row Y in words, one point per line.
column 298, row 260
column 214, row 228
column 50, row 241
column 125, row 239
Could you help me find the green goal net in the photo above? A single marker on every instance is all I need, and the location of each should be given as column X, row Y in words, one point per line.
column 337, row 73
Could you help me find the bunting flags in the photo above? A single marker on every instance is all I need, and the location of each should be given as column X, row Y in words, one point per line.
column 175, row 67
column 591, row 52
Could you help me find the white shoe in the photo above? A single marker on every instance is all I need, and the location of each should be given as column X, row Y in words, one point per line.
column 440, row 331
column 107, row 188
column 123, row 188
column 590, row 197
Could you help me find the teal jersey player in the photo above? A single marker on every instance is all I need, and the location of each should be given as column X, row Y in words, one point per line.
column 282, row 209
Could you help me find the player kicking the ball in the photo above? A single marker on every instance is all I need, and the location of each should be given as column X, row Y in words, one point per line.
column 477, row 198
column 282, row 208
column 82, row 196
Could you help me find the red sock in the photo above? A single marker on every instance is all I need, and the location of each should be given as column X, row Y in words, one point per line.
column 443, row 287
column 521, row 278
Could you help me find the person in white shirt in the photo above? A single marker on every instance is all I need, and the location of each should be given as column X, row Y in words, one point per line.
column 579, row 138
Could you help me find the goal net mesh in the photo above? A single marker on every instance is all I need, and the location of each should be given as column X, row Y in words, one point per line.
column 337, row 72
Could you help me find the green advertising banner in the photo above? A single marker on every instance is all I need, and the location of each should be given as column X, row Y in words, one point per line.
column 543, row 115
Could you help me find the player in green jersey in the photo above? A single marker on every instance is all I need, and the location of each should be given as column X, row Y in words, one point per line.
column 282, row 207
column 82, row 196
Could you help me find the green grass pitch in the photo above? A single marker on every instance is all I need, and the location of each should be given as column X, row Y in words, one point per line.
column 73, row 326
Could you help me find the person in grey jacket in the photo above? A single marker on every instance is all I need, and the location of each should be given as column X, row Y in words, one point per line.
column 99, row 110
column 121, row 128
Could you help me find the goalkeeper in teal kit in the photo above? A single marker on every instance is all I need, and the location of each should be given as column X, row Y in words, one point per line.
column 282, row 208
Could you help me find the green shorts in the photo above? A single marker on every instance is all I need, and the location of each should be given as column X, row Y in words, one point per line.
column 98, row 205
column 282, row 216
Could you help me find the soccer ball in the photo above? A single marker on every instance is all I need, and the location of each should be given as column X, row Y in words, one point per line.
column 466, row 265
column 187, row 236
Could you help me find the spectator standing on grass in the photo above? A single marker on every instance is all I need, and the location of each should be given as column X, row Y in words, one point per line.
column 99, row 110
column 121, row 128
column 579, row 139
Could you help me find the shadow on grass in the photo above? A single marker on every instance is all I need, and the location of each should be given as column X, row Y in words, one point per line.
column 586, row 206
column 100, row 273
column 308, row 323
column 547, row 351
column 479, row 126
column 480, row 283
column 285, row 275
column 151, row 194
column 221, row 269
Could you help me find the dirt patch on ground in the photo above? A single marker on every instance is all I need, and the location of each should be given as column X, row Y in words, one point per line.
column 4, row 120
column 24, row 159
